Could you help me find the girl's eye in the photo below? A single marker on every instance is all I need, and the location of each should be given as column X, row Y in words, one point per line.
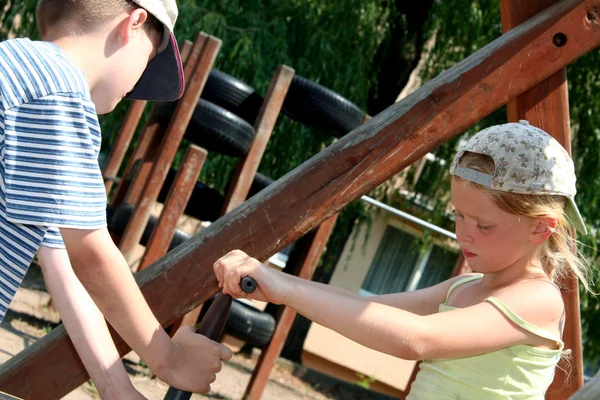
column 484, row 227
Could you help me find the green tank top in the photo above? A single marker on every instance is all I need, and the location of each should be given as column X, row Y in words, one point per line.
column 516, row 372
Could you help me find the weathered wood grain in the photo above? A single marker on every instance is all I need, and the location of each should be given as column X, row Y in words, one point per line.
column 546, row 105
column 320, row 187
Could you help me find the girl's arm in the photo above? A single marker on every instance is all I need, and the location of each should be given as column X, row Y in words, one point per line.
column 422, row 302
column 86, row 326
column 464, row 332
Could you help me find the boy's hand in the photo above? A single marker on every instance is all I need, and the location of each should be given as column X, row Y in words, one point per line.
column 231, row 268
column 195, row 361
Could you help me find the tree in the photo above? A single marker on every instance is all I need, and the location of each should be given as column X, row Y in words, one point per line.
column 365, row 50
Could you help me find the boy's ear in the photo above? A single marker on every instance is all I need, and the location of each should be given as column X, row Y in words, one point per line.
column 542, row 229
column 133, row 24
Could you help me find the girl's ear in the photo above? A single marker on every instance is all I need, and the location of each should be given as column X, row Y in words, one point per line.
column 542, row 229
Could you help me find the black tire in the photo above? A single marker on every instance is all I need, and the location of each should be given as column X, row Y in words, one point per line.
column 109, row 213
column 121, row 217
column 213, row 128
column 233, row 95
column 205, row 202
column 259, row 183
column 314, row 105
column 250, row 324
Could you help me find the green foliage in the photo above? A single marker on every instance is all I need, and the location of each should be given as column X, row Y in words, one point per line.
column 334, row 43
column 464, row 26
column 584, row 98
column 311, row 37
column 17, row 18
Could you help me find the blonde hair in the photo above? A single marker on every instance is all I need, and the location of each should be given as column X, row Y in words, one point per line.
column 85, row 14
column 559, row 255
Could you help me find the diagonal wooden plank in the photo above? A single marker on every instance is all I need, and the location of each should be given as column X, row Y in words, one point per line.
column 320, row 187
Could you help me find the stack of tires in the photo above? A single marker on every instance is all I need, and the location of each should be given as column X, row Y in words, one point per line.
column 223, row 122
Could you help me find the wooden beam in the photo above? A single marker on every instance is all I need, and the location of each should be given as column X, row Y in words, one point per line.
column 168, row 147
column 546, row 106
column 265, row 122
column 248, row 165
column 119, row 147
column 175, row 204
column 152, row 131
column 351, row 167
column 125, row 134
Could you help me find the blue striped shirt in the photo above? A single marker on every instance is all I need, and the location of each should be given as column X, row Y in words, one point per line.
column 49, row 145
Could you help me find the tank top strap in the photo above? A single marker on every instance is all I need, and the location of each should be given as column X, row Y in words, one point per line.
column 510, row 314
column 460, row 282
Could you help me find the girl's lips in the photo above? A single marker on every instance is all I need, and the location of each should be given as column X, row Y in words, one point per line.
column 468, row 254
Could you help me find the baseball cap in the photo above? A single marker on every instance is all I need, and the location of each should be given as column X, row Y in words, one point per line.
column 527, row 160
column 163, row 78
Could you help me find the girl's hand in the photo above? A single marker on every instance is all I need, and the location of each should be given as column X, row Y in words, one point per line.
column 231, row 268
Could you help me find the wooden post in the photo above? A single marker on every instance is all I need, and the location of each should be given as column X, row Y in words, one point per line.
column 265, row 122
column 315, row 243
column 546, row 106
column 132, row 118
column 149, row 139
column 119, row 147
column 177, row 199
column 247, row 167
column 351, row 167
column 168, row 147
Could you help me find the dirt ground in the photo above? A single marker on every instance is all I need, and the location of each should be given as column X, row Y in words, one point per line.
column 30, row 318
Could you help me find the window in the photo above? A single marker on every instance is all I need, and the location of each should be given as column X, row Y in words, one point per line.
column 398, row 266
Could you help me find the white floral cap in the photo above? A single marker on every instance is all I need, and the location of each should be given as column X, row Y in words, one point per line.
column 528, row 161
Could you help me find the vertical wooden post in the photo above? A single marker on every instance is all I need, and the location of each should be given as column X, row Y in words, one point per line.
column 546, row 106
column 247, row 167
column 168, row 147
column 189, row 55
column 265, row 122
column 119, row 147
column 306, row 268
column 177, row 199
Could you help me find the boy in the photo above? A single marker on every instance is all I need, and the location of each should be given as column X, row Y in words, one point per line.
column 95, row 52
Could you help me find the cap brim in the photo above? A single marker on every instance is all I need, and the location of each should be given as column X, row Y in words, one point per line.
column 163, row 78
column 575, row 217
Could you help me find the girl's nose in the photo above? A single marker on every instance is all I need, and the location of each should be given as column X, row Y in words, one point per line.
column 463, row 233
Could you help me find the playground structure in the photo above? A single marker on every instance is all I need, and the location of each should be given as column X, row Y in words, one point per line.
column 524, row 68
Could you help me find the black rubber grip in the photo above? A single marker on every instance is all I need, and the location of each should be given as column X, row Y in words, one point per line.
column 212, row 326
column 248, row 284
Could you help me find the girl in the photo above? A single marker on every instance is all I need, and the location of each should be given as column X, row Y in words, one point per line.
column 493, row 334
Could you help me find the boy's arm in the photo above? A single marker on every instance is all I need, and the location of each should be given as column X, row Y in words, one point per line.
column 188, row 362
column 86, row 326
